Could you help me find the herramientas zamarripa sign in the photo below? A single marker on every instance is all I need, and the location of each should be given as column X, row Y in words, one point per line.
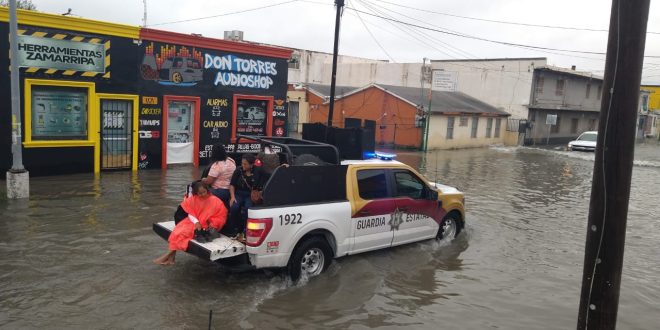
column 46, row 53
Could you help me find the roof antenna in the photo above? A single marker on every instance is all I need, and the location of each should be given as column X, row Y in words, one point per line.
column 67, row 13
column 436, row 169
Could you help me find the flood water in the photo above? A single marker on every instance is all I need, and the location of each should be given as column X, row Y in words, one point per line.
column 77, row 255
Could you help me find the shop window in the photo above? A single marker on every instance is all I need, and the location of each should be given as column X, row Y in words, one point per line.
column 179, row 122
column 59, row 113
column 588, row 91
column 251, row 117
column 600, row 91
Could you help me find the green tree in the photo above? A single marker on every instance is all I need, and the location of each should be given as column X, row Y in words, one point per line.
column 20, row 4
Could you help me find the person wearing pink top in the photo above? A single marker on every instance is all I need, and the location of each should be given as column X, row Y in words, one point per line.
column 220, row 174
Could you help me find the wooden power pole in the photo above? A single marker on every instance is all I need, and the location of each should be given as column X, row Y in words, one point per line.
column 335, row 52
column 610, row 191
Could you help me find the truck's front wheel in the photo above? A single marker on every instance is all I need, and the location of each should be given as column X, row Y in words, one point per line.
column 310, row 258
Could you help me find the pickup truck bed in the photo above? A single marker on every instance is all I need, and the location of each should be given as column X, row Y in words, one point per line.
column 220, row 248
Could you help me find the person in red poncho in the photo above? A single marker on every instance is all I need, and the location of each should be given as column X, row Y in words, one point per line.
column 204, row 211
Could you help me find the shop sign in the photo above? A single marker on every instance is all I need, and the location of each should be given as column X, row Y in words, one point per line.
column 241, row 72
column 444, row 81
column 49, row 53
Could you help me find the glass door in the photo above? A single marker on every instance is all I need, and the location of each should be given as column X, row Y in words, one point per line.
column 180, row 132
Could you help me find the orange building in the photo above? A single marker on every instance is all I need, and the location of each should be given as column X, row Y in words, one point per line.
column 398, row 111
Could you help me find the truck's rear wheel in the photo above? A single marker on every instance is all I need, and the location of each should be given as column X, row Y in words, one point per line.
column 310, row 258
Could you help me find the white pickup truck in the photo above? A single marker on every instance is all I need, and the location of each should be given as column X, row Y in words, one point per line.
column 312, row 214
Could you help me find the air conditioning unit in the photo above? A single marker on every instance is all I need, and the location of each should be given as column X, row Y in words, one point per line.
column 234, row 35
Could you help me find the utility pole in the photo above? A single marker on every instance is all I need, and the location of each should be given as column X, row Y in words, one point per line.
column 340, row 6
column 420, row 107
column 144, row 17
column 18, row 179
column 428, row 119
column 610, row 190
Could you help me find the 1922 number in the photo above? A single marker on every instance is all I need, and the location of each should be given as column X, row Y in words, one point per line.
column 290, row 219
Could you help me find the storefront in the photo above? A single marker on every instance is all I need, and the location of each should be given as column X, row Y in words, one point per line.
column 101, row 96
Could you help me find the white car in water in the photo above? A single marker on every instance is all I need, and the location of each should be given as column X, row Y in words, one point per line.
column 585, row 142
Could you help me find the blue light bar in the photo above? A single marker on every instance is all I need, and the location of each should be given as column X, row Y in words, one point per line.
column 378, row 155
column 384, row 156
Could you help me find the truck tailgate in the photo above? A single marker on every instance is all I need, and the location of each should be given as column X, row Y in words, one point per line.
column 220, row 248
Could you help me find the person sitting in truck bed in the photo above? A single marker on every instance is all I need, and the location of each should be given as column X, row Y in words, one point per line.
column 239, row 202
column 204, row 210
column 220, row 173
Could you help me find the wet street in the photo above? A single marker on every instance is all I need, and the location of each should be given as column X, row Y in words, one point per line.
column 77, row 255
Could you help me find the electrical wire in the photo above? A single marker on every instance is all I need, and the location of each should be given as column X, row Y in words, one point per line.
column 516, row 74
column 543, row 52
column 462, row 35
column 373, row 37
column 458, row 51
column 225, row 14
column 503, row 22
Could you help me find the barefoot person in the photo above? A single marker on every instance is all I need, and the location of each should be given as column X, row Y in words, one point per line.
column 204, row 211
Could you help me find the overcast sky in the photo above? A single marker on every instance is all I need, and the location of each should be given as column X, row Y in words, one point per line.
column 309, row 24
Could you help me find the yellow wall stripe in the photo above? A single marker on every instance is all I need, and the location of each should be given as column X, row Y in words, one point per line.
column 107, row 75
column 95, row 40
column 59, row 36
column 31, row 70
column 107, row 61
column 107, row 45
column 68, row 72
column 39, row 34
column 77, row 38
column 20, row 31
column 51, row 71
column 89, row 74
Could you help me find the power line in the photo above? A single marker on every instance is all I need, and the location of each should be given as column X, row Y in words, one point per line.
column 225, row 14
column 543, row 52
column 503, row 22
column 486, row 66
column 459, row 51
column 373, row 37
column 484, row 39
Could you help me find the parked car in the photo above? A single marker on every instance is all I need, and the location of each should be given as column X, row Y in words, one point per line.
column 585, row 142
